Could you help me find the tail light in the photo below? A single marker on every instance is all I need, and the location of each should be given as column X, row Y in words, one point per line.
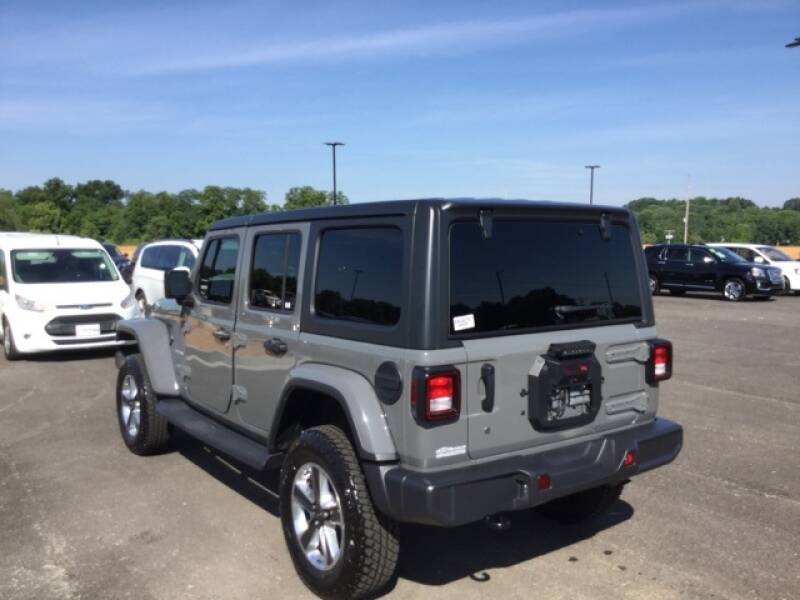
column 659, row 366
column 436, row 393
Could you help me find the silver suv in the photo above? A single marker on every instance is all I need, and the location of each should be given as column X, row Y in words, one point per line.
column 426, row 361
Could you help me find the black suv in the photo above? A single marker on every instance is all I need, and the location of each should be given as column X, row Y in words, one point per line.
column 700, row 268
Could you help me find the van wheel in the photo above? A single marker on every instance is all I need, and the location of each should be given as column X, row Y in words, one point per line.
column 787, row 287
column 340, row 546
column 9, row 347
column 141, row 302
column 583, row 505
column 143, row 430
column 734, row 289
column 655, row 286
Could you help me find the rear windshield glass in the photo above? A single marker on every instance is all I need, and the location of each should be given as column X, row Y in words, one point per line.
column 531, row 275
column 61, row 265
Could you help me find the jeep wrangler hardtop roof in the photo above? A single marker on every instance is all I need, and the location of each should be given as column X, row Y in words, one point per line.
column 403, row 208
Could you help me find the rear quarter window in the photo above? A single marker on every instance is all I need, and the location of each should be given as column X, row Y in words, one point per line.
column 360, row 275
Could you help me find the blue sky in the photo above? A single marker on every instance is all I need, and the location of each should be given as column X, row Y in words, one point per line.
column 462, row 98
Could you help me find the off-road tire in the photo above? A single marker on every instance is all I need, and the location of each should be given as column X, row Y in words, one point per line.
column 152, row 436
column 9, row 347
column 370, row 544
column 583, row 505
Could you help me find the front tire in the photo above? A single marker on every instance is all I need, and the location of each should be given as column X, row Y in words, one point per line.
column 734, row 289
column 340, row 546
column 583, row 505
column 9, row 347
column 143, row 430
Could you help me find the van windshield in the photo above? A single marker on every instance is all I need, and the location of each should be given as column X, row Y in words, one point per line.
column 62, row 265
column 533, row 275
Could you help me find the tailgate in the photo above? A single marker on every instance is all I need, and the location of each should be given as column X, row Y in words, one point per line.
column 625, row 398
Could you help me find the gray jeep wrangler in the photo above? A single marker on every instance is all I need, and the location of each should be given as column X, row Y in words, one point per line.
column 426, row 361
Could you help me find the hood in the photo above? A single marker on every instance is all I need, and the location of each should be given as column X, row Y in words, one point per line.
column 74, row 294
column 788, row 265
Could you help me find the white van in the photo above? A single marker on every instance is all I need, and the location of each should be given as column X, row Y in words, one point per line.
column 764, row 254
column 155, row 259
column 59, row 292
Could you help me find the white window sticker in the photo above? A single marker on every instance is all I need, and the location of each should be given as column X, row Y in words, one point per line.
column 464, row 322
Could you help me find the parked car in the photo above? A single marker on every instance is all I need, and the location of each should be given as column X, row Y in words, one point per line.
column 428, row 361
column 155, row 259
column 769, row 255
column 58, row 292
column 684, row 268
column 120, row 259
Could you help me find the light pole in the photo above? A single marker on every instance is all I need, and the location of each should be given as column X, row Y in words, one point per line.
column 591, row 182
column 333, row 147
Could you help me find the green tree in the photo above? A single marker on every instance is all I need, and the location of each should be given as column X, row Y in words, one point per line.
column 8, row 214
column 792, row 204
column 308, row 197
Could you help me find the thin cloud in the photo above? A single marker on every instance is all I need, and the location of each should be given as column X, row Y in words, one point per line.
column 420, row 40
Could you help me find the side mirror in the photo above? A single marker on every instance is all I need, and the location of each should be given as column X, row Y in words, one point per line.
column 177, row 284
column 759, row 259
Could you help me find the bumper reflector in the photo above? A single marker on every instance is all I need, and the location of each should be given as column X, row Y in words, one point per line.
column 543, row 482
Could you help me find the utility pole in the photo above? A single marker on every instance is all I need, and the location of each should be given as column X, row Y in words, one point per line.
column 688, row 203
column 333, row 147
column 591, row 182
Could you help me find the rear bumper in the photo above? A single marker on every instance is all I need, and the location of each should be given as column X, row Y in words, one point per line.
column 458, row 496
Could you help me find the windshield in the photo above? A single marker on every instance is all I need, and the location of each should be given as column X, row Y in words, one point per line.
column 773, row 254
column 61, row 265
column 532, row 275
column 725, row 255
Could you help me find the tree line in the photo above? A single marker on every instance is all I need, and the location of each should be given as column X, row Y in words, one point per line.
column 719, row 219
column 104, row 211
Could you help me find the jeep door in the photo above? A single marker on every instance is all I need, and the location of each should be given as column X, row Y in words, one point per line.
column 529, row 286
column 268, row 324
column 209, row 326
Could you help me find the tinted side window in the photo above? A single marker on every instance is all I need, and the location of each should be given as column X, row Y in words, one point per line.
column 168, row 257
column 273, row 276
column 699, row 256
column 218, row 271
column 186, row 258
column 678, row 254
column 360, row 275
column 151, row 257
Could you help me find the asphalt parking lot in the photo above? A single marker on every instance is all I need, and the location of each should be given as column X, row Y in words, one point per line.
column 81, row 517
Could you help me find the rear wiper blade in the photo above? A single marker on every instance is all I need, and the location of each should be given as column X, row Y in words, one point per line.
column 564, row 310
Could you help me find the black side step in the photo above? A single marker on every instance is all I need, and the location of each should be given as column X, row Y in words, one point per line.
column 215, row 434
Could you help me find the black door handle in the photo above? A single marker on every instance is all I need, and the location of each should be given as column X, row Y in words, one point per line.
column 487, row 376
column 276, row 347
column 222, row 335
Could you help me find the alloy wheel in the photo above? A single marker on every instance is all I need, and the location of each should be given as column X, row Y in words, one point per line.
column 317, row 516
column 733, row 290
column 130, row 408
